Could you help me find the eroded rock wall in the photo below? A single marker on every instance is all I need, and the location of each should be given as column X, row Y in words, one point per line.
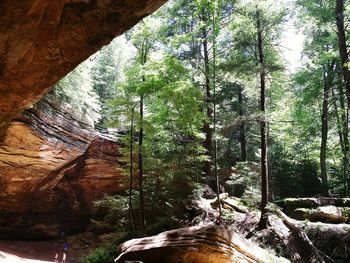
column 41, row 41
column 51, row 169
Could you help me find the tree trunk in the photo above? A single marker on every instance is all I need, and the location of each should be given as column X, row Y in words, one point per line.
column 339, row 120
column 324, row 132
column 131, row 216
column 345, row 132
column 344, row 57
column 216, row 175
column 142, row 203
column 143, row 61
column 228, row 152
column 263, row 126
column 342, row 124
column 207, row 126
column 346, row 152
column 242, row 137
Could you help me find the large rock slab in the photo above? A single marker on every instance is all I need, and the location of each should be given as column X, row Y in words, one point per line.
column 41, row 41
column 200, row 244
column 51, row 169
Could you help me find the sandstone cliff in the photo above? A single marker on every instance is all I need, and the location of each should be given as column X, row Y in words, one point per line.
column 51, row 168
column 41, row 41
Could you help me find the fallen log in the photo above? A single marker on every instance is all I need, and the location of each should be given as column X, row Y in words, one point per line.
column 323, row 209
column 307, row 249
column 228, row 203
column 293, row 203
column 233, row 206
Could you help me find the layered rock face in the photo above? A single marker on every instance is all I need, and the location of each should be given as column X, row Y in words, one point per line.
column 41, row 41
column 51, row 168
column 200, row 244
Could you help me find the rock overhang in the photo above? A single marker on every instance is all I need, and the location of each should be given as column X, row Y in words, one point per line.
column 41, row 41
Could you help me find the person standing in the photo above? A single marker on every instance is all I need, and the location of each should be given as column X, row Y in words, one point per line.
column 65, row 249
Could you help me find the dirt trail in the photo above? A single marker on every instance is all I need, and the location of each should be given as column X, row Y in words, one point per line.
column 32, row 251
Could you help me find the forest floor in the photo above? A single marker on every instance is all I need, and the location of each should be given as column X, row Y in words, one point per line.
column 33, row 251
column 298, row 241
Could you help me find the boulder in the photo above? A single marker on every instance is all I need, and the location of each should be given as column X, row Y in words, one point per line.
column 199, row 244
column 51, row 169
column 41, row 41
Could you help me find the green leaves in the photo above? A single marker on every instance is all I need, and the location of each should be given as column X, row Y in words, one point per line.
column 76, row 93
column 243, row 57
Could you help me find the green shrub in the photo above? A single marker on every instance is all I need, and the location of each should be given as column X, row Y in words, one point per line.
column 112, row 210
column 105, row 254
column 245, row 183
